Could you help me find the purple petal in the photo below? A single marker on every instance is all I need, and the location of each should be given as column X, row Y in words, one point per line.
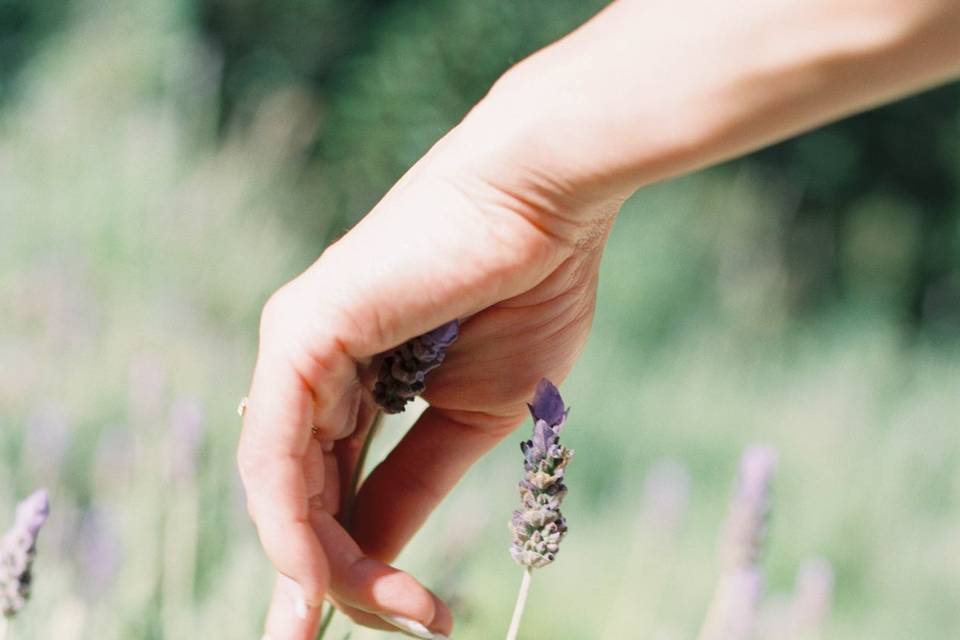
column 547, row 404
column 444, row 335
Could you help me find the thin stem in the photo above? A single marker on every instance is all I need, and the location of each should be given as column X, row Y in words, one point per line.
column 327, row 619
column 358, row 470
column 521, row 604
column 348, row 504
column 4, row 627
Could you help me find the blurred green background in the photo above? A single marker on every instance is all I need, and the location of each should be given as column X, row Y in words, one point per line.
column 164, row 165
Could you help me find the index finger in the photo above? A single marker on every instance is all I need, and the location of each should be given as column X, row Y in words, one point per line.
column 276, row 431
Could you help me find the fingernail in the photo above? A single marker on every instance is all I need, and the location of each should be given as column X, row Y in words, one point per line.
column 412, row 627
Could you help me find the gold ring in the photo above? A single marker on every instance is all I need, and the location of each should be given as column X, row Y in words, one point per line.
column 242, row 407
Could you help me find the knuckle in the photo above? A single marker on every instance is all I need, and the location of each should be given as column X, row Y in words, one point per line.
column 275, row 310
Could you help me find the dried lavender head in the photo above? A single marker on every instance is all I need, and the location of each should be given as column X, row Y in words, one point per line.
column 538, row 526
column 17, row 551
column 746, row 525
column 404, row 370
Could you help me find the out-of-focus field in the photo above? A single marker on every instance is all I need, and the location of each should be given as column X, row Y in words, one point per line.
column 138, row 239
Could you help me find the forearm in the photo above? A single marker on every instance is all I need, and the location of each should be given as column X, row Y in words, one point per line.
column 651, row 89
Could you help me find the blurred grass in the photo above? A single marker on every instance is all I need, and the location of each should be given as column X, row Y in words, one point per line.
column 138, row 245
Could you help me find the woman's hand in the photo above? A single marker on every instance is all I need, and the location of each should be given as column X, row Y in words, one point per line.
column 502, row 225
column 468, row 233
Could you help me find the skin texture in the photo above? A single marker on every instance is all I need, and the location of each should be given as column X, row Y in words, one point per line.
column 502, row 224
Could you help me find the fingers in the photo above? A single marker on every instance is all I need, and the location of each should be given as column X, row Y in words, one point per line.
column 298, row 384
column 286, row 620
column 404, row 489
column 367, row 586
column 442, row 620
column 273, row 446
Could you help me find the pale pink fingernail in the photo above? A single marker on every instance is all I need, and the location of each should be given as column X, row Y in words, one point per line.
column 412, row 627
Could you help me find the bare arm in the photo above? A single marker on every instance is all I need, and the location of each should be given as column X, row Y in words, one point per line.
column 651, row 89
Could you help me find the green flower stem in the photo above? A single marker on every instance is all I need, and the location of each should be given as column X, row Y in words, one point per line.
column 521, row 604
column 4, row 628
column 327, row 619
column 348, row 504
column 358, row 471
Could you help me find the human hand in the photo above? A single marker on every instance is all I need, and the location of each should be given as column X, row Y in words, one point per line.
column 501, row 225
column 471, row 232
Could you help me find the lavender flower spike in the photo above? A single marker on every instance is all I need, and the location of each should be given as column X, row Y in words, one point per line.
column 404, row 370
column 733, row 610
column 538, row 526
column 746, row 525
column 17, row 551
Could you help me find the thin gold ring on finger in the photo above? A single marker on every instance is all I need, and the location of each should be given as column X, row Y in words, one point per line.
column 242, row 407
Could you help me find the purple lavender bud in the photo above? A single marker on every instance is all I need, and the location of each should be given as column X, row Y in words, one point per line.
column 548, row 405
column 17, row 551
column 538, row 526
column 404, row 370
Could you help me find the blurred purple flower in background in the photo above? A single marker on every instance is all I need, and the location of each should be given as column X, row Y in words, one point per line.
column 733, row 610
column 746, row 524
column 18, row 548
column 97, row 550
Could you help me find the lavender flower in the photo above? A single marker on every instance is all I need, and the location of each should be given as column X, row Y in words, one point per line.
column 404, row 370
column 733, row 611
column 17, row 551
column 746, row 525
column 538, row 526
